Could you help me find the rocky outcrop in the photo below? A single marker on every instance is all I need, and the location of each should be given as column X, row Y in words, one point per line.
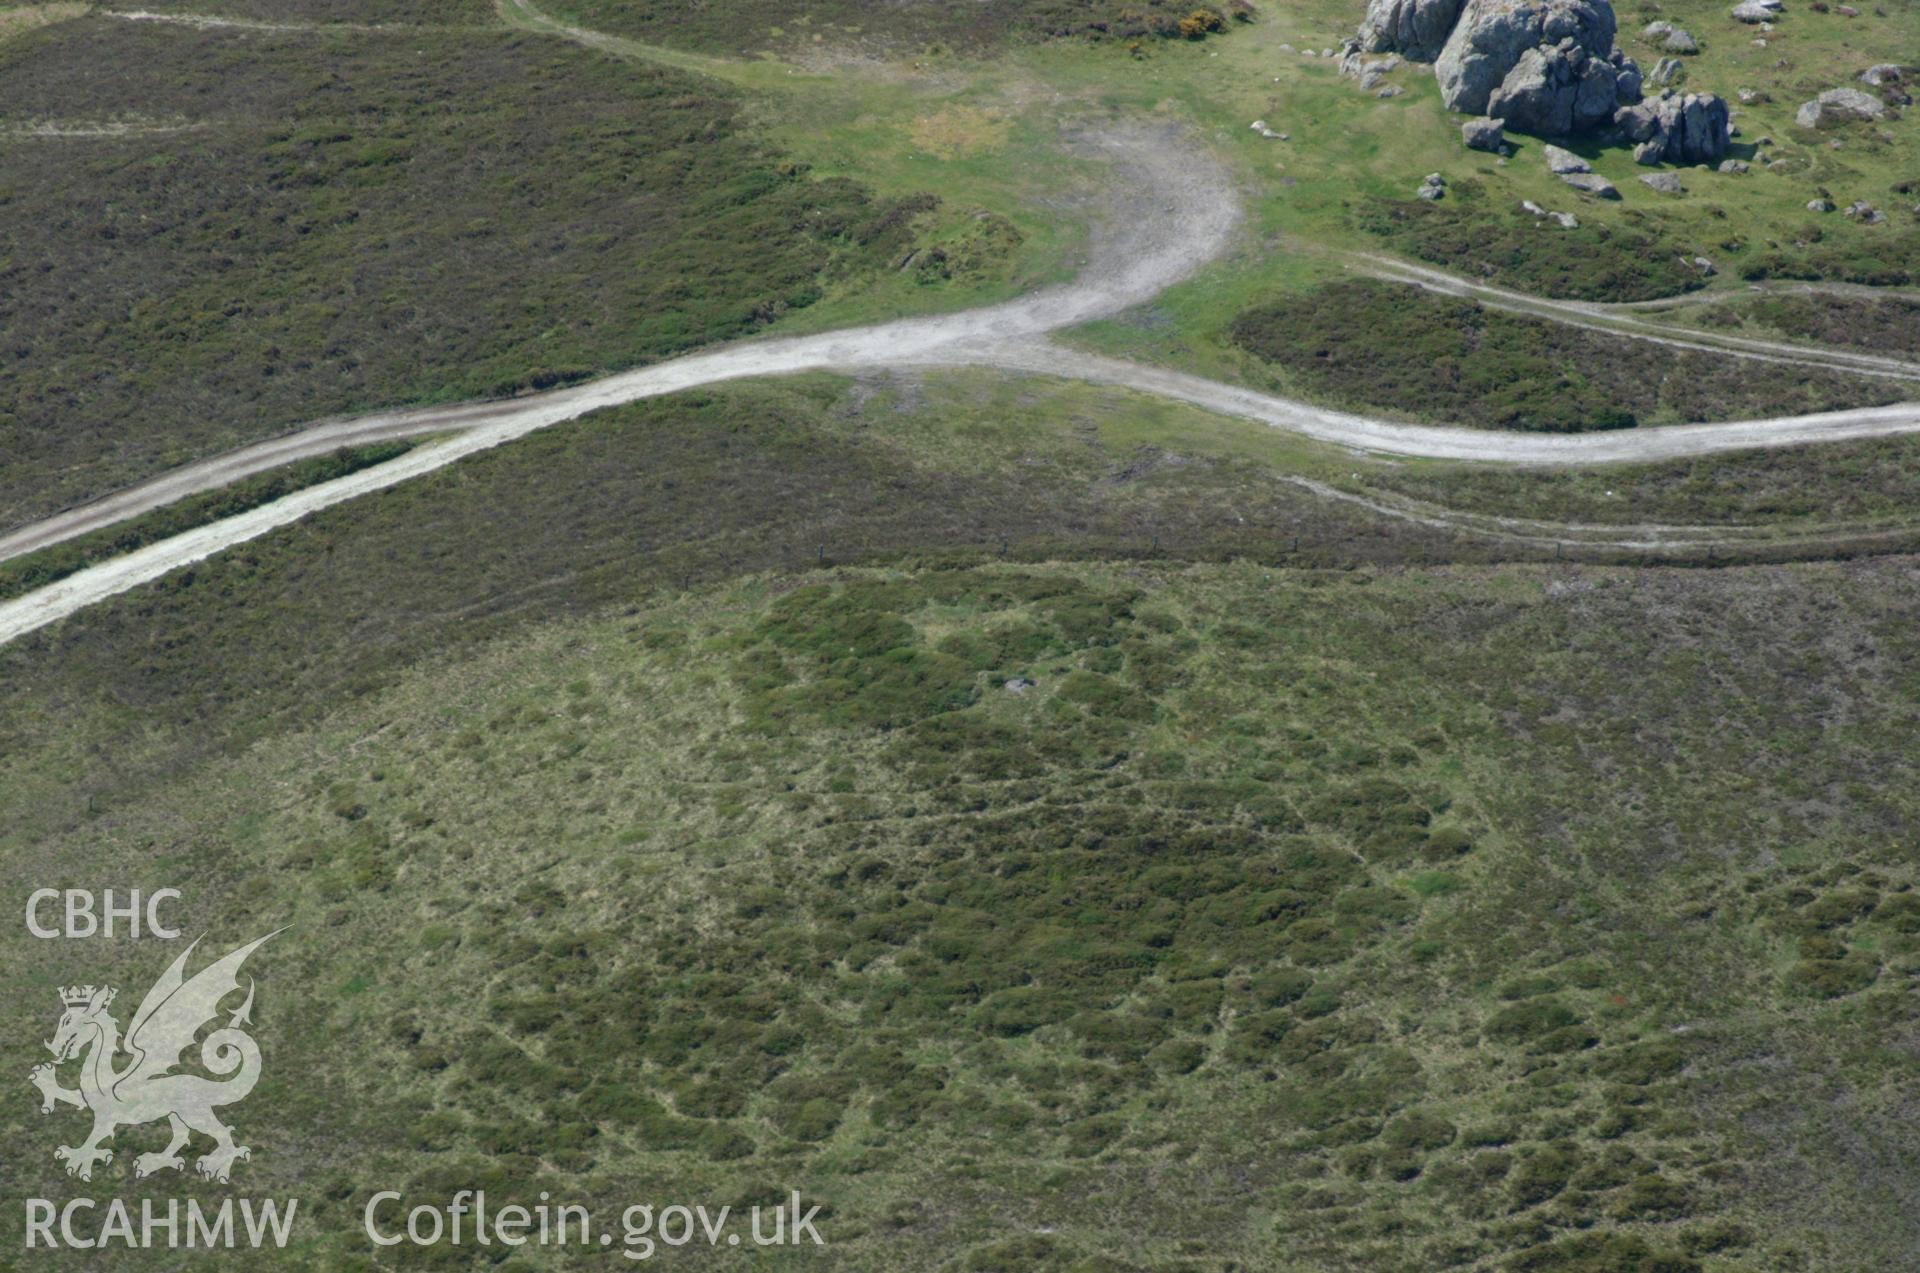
column 1839, row 106
column 1673, row 129
column 1551, row 68
column 1493, row 35
column 1555, row 91
column 1547, row 67
column 1754, row 12
column 1412, row 28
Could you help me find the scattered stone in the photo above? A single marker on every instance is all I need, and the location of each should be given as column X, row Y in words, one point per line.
column 1681, row 41
column 1530, row 206
column 1667, row 72
column 1839, row 106
column 1561, row 162
column 1654, row 32
column 1749, row 96
column 1566, row 220
column 1734, row 167
column 1664, row 182
column 1484, row 134
column 1820, row 205
column 1019, row 685
column 1756, row 11
column 1391, row 90
column 1865, row 213
column 1260, row 126
column 1433, row 188
column 1884, row 74
column 1286, row 48
column 1591, row 183
column 1846, row 10
column 1705, row 267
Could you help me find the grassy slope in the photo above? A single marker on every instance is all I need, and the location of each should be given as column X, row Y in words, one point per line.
column 1379, row 920
column 706, row 485
column 1862, row 483
column 913, row 26
column 1382, row 345
column 699, row 486
column 354, row 220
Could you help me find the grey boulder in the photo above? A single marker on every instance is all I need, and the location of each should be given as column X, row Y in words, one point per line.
column 1628, row 83
column 1591, row 183
column 1561, row 162
column 1680, row 40
column 1484, row 134
column 1839, row 106
column 1754, row 12
column 1664, row 182
column 1883, row 74
column 1667, row 72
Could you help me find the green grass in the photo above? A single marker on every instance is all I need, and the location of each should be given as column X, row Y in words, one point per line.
column 1345, row 178
column 777, row 885
column 33, row 570
column 955, row 798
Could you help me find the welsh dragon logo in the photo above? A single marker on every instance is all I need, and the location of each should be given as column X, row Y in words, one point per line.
column 146, row 1089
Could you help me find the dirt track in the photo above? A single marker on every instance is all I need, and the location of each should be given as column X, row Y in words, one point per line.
column 1173, row 208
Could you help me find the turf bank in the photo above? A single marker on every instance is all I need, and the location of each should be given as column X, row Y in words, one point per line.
column 86, row 1224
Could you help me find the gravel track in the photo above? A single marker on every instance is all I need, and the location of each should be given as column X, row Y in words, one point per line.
column 1170, row 209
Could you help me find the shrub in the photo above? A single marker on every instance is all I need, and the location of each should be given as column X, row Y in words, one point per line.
column 1201, row 23
column 1530, row 1019
column 1654, row 1198
column 1542, row 1175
